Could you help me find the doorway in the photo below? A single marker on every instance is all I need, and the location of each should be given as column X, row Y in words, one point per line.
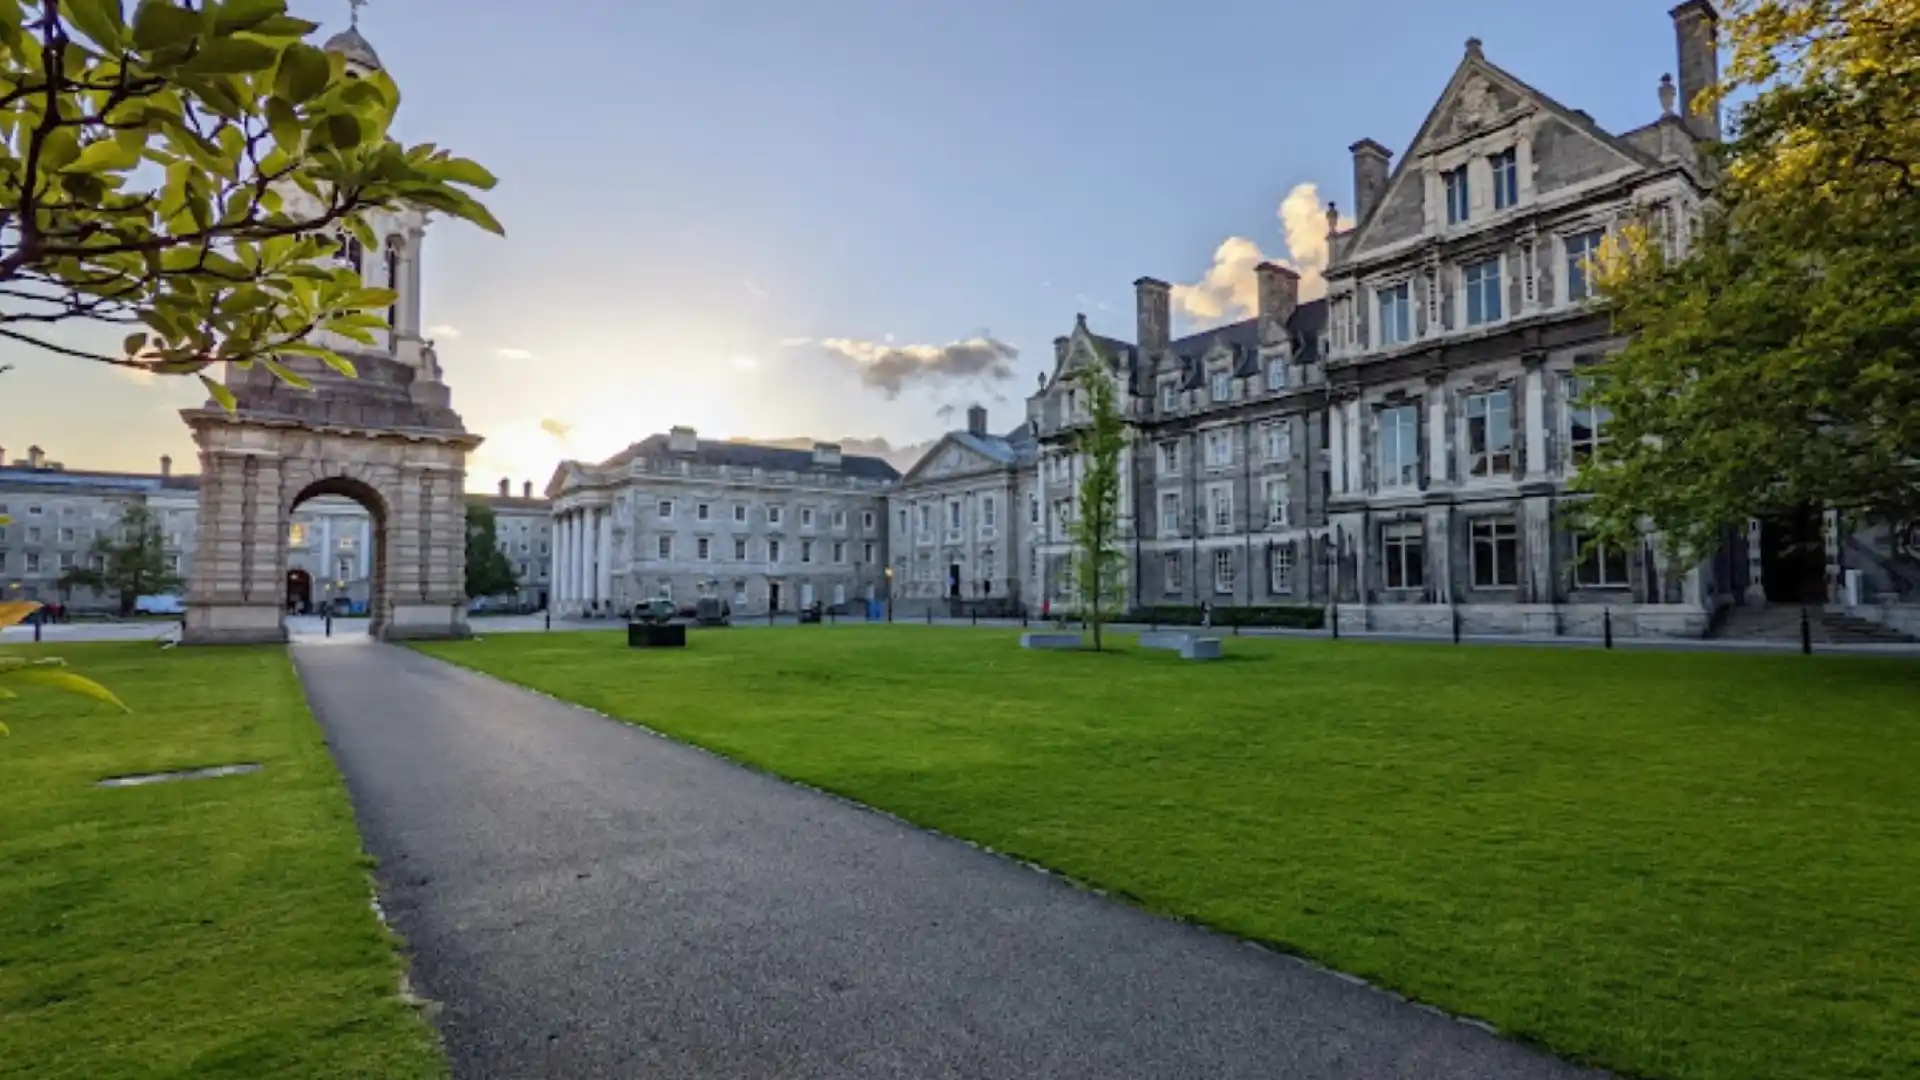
column 773, row 596
column 299, row 591
column 1793, row 558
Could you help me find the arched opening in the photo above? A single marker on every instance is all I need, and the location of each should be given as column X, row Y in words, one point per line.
column 299, row 591
column 337, row 538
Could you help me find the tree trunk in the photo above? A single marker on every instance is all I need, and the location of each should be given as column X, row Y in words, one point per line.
column 126, row 603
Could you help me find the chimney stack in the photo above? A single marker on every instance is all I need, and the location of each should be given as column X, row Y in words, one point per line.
column 682, row 440
column 1153, row 304
column 166, row 466
column 526, row 489
column 1696, row 28
column 826, row 455
column 506, row 487
column 1279, row 296
column 1370, row 170
column 977, row 420
column 3, row 457
column 35, row 457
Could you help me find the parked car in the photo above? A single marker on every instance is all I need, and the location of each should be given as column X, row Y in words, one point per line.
column 159, row 605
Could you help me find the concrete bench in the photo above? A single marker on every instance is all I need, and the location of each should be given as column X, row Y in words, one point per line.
column 1165, row 639
column 1050, row 641
column 1200, row 648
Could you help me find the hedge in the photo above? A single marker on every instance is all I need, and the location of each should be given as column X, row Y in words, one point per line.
column 1292, row 616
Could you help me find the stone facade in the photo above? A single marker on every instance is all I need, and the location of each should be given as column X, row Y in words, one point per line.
column 960, row 522
column 58, row 514
column 761, row 528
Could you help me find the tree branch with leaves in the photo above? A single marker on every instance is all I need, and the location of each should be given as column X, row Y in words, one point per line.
column 187, row 173
column 1099, row 565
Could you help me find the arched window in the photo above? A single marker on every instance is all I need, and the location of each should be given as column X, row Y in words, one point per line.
column 350, row 252
column 393, row 282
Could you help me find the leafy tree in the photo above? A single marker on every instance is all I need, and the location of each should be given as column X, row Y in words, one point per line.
column 1099, row 565
column 185, row 173
column 488, row 571
column 132, row 558
column 1777, row 363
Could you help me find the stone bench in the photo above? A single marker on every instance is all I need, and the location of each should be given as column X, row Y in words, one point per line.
column 1165, row 639
column 1200, row 648
column 1050, row 641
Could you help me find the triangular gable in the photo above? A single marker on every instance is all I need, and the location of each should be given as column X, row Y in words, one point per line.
column 949, row 455
column 557, row 484
column 1480, row 95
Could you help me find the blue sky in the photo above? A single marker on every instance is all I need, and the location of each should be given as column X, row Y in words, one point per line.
column 688, row 184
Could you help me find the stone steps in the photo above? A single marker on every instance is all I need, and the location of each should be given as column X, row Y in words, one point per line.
column 1781, row 622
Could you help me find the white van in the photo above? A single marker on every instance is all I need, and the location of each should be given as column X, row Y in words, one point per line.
column 159, row 605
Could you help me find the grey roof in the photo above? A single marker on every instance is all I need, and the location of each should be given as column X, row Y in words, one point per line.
column 350, row 44
column 1305, row 326
column 1013, row 448
column 754, row 456
column 93, row 481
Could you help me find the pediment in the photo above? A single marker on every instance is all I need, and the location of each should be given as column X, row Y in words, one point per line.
column 947, row 458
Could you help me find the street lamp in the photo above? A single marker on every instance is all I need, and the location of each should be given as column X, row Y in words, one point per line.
column 889, row 594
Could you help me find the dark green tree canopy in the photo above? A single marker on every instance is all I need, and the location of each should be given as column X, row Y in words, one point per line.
column 489, row 573
column 182, row 169
column 127, row 561
column 1099, row 566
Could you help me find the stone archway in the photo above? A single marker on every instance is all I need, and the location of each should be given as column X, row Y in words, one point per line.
column 386, row 439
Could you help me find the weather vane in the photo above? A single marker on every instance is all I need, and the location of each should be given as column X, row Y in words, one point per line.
column 353, row 19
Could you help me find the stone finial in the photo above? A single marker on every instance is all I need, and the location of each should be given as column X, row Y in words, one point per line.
column 1333, row 218
column 1473, row 47
column 1667, row 95
column 1080, row 320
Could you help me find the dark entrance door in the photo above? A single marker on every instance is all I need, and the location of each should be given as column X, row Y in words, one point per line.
column 299, row 591
column 773, row 596
column 1793, row 558
column 953, row 580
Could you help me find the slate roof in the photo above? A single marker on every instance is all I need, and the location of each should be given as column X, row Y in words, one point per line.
column 754, row 456
column 89, row 480
column 1308, row 322
column 1014, row 447
column 350, row 44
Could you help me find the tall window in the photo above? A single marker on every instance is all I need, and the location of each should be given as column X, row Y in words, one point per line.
column 926, row 519
column 1220, row 497
column 1396, row 314
column 1169, row 396
column 1581, row 250
column 1400, row 446
column 703, row 549
column 666, row 547
column 1170, row 514
column 1279, row 441
column 1496, row 553
column 393, row 281
column 1222, row 386
column 1280, row 562
column 839, row 519
column 1219, row 448
column 1506, row 179
column 987, row 513
column 1224, row 572
column 739, row 549
column 1170, row 457
column 1033, row 510
column 806, row 551
column 839, row 551
column 702, row 511
column 903, row 522
column 1490, row 434
column 806, row 517
column 666, row 508
column 1600, row 566
column 773, row 551
column 1277, row 503
column 953, row 515
column 1403, row 548
column 866, row 521
column 351, row 252
column 1586, row 422
column 1457, row 202
column 1277, row 374
column 740, row 513
column 866, row 554
column 1174, row 575
column 1483, row 291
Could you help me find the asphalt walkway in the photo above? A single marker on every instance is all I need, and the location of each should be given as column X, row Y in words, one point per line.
column 587, row 900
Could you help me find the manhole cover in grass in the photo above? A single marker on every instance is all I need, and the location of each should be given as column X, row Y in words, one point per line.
column 185, row 774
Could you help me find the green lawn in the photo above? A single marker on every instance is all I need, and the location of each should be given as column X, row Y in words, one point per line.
column 209, row 929
column 1674, row 864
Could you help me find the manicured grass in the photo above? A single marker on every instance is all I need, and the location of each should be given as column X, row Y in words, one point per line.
column 1672, row 864
column 208, row 929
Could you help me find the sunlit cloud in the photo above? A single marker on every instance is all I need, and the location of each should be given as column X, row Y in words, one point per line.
column 513, row 354
column 795, row 342
column 444, row 330
column 559, row 429
column 1229, row 289
column 889, row 368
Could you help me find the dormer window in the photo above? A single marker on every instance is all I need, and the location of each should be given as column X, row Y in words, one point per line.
column 1277, row 374
column 1457, row 196
column 1169, row 396
column 1222, row 387
column 1506, row 179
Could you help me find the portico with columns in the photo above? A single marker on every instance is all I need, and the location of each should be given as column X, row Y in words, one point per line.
column 583, row 536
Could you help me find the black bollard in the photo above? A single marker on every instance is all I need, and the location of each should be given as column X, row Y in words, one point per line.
column 1806, row 633
column 549, row 614
column 38, row 618
column 1334, row 611
column 1606, row 627
column 1456, row 625
column 329, row 622
column 889, row 610
column 929, row 614
column 976, row 616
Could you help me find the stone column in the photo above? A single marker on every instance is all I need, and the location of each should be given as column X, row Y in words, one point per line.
column 1337, row 448
column 556, row 560
column 1439, row 465
column 1535, row 417
column 603, row 548
column 578, row 556
column 1756, row 583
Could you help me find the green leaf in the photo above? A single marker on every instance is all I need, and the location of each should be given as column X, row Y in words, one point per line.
column 220, row 393
column 304, row 71
column 285, row 375
column 284, row 124
column 104, row 155
column 66, row 682
column 231, row 56
column 133, row 343
column 100, row 20
column 158, row 24
column 462, row 171
column 245, row 14
column 343, row 131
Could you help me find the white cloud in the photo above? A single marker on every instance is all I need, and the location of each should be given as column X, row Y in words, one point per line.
column 1230, row 290
column 513, row 354
column 753, row 289
column 795, row 342
column 888, row 367
column 444, row 331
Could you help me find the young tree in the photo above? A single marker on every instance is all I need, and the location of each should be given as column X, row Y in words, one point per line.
column 488, row 571
column 184, row 173
column 1777, row 364
column 1099, row 565
column 132, row 560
